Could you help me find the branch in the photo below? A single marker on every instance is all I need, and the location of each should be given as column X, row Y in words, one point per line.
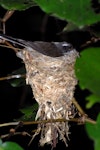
column 12, row 77
column 84, row 118
column 78, row 120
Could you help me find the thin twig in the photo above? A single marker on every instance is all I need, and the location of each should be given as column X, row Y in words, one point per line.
column 9, row 124
column 47, row 121
column 78, row 107
column 92, row 40
column 90, row 120
column 36, row 133
column 11, row 47
column 84, row 117
column 24, row 133
column 12, row 77
column 7, row 15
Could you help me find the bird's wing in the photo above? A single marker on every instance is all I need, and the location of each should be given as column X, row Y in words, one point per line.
column 46, row 48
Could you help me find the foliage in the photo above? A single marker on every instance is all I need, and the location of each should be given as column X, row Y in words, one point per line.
column 18, row 81
column 29, row 112
column 79, row 12
column 88, row 73
column 9, row 145
column 16, row 5
column 94, row 132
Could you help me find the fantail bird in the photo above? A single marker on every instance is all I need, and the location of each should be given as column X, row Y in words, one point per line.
column 52, row 49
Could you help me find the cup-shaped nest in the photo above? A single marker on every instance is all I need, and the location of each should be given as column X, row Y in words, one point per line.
column 50, row 72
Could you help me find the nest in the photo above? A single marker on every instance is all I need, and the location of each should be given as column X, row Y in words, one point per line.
column 53, row 81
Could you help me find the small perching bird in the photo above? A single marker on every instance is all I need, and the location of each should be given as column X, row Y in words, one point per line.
column 50, row 72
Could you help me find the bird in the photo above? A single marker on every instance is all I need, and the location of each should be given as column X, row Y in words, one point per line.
column 52, row 49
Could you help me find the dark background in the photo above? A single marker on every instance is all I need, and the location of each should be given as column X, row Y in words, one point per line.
column 33, row 24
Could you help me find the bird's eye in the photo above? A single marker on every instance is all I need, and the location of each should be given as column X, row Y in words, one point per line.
column 67, row 47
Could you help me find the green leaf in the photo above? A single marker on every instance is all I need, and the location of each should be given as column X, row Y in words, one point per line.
column 92, row 99
column 88, row 70
column 10, row 146
column 94, row 132
column 17, row 4
column 29, row 112
column 18, row 80
column 79, row 12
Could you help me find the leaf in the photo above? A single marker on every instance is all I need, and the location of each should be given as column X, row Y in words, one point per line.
column 92, row 99
column 79, row 12
column 17, row 4
column 29, row 112
column 94, row 132
column 19, row 80
column 88, row 70
column 9, row 146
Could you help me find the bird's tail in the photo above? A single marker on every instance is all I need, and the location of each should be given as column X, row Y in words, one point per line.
column 14, row 41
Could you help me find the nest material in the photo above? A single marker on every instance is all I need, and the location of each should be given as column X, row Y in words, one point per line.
column 53, row 81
